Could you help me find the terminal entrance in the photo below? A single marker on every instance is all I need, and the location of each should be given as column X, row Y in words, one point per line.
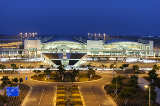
column 64, row 58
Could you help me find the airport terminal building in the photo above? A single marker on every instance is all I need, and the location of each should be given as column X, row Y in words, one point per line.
column 75, row 53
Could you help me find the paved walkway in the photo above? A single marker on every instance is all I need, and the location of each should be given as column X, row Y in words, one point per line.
column 158, row 95
column 142, row 82
column 94, row 94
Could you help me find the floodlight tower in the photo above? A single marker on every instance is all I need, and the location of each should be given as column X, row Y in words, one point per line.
column 88, row 35
column 21, row 35
column 104, row 37
column 95, row 36
column 26, row 35
column 99, row 36
column 35, row 34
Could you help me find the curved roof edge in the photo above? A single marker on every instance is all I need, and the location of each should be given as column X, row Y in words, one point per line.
column 63, row 41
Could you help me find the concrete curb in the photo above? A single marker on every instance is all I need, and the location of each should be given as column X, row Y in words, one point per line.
column 108, row 96
column 55, row 97
column 69, row 82
column 81, row 96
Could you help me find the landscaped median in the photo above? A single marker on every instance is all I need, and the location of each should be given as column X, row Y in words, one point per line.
column 154, row 84
column 68, row 95
column 82, row 77
column 125, row 91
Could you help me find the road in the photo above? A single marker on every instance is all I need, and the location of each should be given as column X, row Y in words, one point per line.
column 40, row 94
column 43, row 94
column 94, row 94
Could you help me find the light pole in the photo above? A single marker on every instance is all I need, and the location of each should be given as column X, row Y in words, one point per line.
column 148, row 87
column 114, row 66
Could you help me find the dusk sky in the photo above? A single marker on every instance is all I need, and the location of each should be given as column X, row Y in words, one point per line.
column 80, row 16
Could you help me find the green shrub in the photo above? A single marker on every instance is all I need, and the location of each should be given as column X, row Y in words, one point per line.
column 127, row 92
column 111, row 88
column 118, row 79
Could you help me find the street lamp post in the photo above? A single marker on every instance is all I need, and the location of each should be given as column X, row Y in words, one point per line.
column 149, row 101
column 113, row 75
column 114, row 66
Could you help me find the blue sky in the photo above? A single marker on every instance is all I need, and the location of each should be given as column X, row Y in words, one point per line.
column 80, row 16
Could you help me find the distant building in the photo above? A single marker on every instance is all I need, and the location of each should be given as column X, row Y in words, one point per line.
column 95, row 44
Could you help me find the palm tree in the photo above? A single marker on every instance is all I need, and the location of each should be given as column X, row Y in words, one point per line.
column 155, row 67
column 5, row 80
column 153, row 75
column 14, row 67
column 37, row 71
column 135, row 68
column 112, row 66
column 75, row 74
column 2, row 67
column 124, row 66
column 41, row 66
column 15, row 80
column 61, row 72
column 48, row 72
column 91, row 72
column 21, row 80
column 103, row 66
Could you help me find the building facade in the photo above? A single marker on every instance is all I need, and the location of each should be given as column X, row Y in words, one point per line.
column 76, row 53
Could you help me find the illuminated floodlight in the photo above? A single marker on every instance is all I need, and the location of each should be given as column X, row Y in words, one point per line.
column 146, row 86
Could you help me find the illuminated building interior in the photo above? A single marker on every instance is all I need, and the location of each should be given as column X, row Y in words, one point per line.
column 73, row 53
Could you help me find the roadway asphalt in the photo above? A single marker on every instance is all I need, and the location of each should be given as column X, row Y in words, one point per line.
column 94, row 94
column 42, row 94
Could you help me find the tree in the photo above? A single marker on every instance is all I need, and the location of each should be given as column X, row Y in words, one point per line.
column 14, row 67
column 124, row 66
column 37, row 71
column 155, row 67
column 2, row 67
column 135, row 68
column 127, row 92
column 153, row 75
column 75, row 74
column 133, row 81
column 111, row 88
column 61, row 72
column 91, row 73
column 5, row 80
column 15, row 80
column 112, row 66
column 103, row 66
column 121, row 67
column 118, row 80
column 41, row 66
column 21, row 80
column 48, row 72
